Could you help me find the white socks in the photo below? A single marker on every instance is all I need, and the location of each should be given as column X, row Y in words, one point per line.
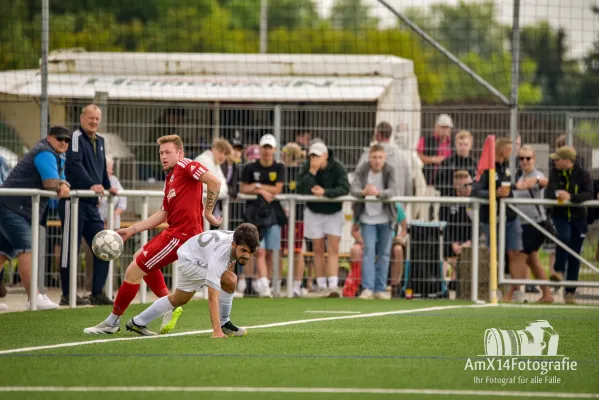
column 159, row 308
column 297, row 287
column 225, row 303
column 113, row 319
column 321, row 282
column 333, row 282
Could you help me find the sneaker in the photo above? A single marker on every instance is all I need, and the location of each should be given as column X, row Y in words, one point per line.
column 230, row 329
column 556, row 277
column 570, row 298
column 334, row 293
column 100, row 299
column 382, row 295
column 142, row 330
column 366, row 295
column 266, row 293
column 3, row 307
column 103, row 328
column 238, row 295
column 532, row 289
column 170, row 320
column 64, row 301
column 518, row 297
column 43, row 303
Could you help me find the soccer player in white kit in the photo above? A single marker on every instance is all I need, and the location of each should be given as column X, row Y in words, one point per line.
column 206, row 259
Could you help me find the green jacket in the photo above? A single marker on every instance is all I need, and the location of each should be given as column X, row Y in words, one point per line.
column 333, row 179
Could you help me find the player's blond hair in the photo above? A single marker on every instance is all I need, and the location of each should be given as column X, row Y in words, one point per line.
column 171, row 139
column 223, row 146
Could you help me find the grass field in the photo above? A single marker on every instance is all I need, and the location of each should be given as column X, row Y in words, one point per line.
column 395, row 349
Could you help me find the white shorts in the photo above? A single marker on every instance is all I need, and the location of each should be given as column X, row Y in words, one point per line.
column 192, row 277
column 316, row 225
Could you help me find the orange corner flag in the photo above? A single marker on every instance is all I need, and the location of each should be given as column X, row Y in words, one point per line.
column 487, row 158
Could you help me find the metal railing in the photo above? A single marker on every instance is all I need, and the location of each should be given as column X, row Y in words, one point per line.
column 146, row 195
column 512, row 204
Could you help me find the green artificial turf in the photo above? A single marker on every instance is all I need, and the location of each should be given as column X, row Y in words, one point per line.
column 417, row 350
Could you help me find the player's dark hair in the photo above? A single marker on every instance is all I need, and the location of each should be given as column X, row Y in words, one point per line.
column 247, row 234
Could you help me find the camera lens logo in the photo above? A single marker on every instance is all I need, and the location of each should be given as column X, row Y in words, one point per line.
column 537, row 339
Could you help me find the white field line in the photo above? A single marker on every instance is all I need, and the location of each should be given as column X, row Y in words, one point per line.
column 331, row 312
column 265, row 326
column 550, row 306
column 446, row 392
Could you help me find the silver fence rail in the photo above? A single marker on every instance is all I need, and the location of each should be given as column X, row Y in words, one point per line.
column 145, row 196
column 512, row 203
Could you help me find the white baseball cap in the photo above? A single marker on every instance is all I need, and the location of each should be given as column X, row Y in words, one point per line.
column 445, row 120
column 318, row 149
column 268, row 140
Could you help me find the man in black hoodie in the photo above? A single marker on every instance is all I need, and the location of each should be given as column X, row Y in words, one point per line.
column 322, row 175
column 568, row 182
column 461, row 160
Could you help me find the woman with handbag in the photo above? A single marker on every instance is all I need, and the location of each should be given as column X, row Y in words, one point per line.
column 531, row 185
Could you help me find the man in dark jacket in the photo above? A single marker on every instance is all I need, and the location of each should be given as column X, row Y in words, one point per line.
column 461, row 160
column 41, row 168
column 569, row 182
column 322, row 175
column 85, row 169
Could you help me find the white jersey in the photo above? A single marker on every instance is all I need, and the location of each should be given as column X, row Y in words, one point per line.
column 205, row 257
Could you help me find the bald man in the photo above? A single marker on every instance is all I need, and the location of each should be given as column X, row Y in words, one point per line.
column 85, row 169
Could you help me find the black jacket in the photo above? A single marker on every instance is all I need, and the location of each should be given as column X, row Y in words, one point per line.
column 480, row 189
column 444, row 178
column 576, row 181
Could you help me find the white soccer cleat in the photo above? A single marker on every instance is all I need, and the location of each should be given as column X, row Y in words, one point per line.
column 43, row 303
column 102, row 328
column 169, row 320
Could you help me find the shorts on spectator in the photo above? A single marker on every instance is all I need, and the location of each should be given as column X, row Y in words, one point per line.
column 297, row 239
column 15, row 234
column 317, row 226
column 159, row 252
column 513, row 235
column 272, row 238
column 532, row 239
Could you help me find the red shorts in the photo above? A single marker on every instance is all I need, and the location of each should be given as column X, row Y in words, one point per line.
column 298, row 236
column 159, row 252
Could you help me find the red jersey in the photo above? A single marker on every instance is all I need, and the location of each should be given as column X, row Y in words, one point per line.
column 183, row 199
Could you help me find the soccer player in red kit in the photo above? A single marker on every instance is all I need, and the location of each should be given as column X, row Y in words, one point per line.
column 182, row 209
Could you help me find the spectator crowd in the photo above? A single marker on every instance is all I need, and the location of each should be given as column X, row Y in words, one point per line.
column 66, row 160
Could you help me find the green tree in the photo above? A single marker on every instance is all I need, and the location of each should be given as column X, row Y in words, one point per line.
column 352, row 15
column 588, row 95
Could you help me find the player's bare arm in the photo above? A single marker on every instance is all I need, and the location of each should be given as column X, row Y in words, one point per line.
column 214, row 313
column 151, row 222
column 212, row 191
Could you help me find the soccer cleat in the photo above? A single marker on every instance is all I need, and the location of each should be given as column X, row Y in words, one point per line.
column 141, row 330
column 230, row 329
column 103, row 328
column 170, row 320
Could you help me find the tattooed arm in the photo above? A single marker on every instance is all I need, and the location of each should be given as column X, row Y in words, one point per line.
column 212, row 190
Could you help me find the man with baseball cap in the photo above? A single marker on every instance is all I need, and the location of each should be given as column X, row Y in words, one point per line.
column 323, row 176
column 433, row 150
column 265, row 177
column 568, row 182
column 41, row 168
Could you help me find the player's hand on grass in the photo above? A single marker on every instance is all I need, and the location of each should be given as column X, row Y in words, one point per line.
column 219, row 335
column 214, row 221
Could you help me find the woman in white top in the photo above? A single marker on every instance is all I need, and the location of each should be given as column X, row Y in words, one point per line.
column 212, row 159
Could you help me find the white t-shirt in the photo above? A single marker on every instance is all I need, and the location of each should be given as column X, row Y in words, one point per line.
column 210, row 254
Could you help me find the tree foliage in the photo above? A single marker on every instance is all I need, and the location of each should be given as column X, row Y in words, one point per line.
column 471, row 31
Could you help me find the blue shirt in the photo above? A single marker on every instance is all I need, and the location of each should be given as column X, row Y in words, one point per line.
column 45, row 163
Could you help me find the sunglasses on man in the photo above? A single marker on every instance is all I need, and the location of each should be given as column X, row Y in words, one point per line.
column 525, row 158
column 64, row 139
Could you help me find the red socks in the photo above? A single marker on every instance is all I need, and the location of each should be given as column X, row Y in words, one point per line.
column 155, row 281
column 124, row 297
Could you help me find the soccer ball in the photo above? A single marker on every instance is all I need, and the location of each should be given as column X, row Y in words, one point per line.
column 107, row 245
